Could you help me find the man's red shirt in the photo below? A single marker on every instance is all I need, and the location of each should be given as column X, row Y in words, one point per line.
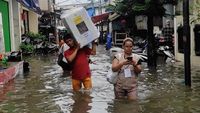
column 80, row 64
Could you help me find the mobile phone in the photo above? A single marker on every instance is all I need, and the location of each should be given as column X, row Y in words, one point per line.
column 129, row 58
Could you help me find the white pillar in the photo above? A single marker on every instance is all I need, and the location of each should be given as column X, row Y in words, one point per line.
column 12, row 39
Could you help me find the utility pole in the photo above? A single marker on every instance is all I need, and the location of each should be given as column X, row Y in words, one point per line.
column 151, row 52
column 101, row 24
column 55, row 25
column 186, row 41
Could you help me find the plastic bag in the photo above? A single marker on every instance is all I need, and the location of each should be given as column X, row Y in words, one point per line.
column 64, row 65
column 112, row 76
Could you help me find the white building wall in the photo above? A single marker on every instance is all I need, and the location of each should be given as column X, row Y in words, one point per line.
column 11, row 25
column 16, row 34
column 43, row 5
column 195, row 60
column 33, row 22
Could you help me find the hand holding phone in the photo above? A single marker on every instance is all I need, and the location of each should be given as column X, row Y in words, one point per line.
column 129, row 58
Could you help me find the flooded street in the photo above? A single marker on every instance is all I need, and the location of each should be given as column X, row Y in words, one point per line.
column 43, row 90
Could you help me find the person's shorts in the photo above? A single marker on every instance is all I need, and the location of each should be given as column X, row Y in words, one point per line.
column 77, row 84
column 122, row 93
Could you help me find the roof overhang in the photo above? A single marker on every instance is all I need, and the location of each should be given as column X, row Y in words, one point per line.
column 101, row 17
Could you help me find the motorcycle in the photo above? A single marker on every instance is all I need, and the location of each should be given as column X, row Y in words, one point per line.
column 168, row 55
column 114, row 50
column 40, row 46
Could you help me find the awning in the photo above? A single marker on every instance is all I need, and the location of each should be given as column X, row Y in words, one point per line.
column 31, row 5
column 99, row 18
column 36, row 6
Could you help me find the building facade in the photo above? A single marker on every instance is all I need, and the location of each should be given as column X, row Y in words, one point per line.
column 17, row 17
column 194, row 33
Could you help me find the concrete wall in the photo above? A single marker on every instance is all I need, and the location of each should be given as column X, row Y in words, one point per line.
column 180, row 56
column 33, row 22
column 32, row 19
column 43, row 5
column 16, row 39
column 12, row 41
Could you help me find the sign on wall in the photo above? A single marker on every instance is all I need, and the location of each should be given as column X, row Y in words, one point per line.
column 2, row 48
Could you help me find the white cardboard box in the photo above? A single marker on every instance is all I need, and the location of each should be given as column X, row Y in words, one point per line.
column 81, row 25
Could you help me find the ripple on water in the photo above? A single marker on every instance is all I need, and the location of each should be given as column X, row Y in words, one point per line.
column 45, row 91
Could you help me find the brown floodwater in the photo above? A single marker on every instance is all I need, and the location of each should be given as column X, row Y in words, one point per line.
column 43, row 90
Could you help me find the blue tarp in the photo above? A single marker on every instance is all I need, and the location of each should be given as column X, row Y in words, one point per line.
column 27, row 3
column 108, row 41
column 36, row 6
column 31, row 4
column 91, row 11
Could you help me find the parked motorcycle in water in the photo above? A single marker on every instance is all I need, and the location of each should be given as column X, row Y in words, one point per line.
column 40, row 46
column 165, row 47
column 45, row 48
column 168, row 55
column 142, row 55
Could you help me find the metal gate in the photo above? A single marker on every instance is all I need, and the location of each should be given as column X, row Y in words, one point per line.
column 118, row 39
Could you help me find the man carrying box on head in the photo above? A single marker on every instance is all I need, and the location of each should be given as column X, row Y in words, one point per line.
column 81, row 73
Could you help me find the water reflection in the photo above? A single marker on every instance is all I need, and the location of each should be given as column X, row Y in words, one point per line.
column 124, row 106
column 7, row 90
column 81, row 103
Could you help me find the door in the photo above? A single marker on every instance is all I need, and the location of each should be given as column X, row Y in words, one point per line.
column 4, row 10
column 2, row 46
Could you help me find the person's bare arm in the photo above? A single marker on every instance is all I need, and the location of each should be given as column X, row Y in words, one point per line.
column 73, row 55
column 137, row 67
column 93, row 52
column 116, row 65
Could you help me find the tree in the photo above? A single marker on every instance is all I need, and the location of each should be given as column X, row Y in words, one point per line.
column 150, row 8
column 138, row 7
column 196, row 8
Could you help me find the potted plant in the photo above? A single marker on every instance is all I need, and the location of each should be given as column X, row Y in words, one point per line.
column 3, row 63
column 26, row 48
